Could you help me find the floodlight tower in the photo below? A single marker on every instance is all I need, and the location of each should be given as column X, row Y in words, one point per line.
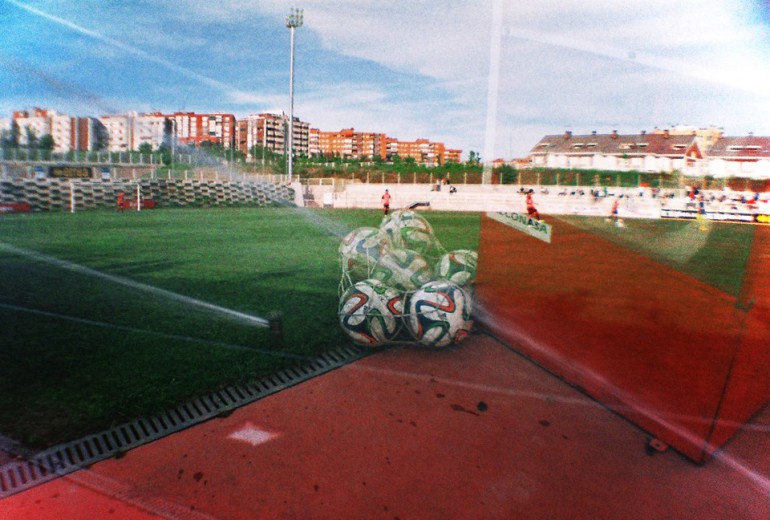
column 293, row 21
column 173, row 143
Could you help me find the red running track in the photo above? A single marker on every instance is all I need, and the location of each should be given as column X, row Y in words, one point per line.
column 682, row 359
column 471, row 432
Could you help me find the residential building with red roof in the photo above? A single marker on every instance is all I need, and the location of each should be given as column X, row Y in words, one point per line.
column 657, row 152
column 747, row 156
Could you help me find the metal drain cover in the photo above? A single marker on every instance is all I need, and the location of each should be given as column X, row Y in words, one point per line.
column 55, row 462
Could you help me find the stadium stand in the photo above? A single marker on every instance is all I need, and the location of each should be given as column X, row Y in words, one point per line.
column 58, row 194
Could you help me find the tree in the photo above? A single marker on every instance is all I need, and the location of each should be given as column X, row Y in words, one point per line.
column 506, row 173
column 46, row 143
column 31, row 138
column 145, row 148
column 10, row 138
column 165, row 153
column 474, row 157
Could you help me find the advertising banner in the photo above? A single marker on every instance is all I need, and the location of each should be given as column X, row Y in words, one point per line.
column 716, row 216
column 525, row 224
column 70, row 172
column 19, row 207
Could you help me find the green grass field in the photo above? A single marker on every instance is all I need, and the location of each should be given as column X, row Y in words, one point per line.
column 80, row 352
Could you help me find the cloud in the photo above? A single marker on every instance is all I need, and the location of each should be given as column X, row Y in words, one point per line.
column 572, row 60
column 422, row 69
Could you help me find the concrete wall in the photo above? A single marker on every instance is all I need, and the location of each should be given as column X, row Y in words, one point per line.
column 474, row 197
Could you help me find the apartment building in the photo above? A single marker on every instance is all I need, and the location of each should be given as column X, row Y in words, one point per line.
column 300, row 137
column 422, row 150
column 68, row 132
column 7, row 126
column 452, row 155
column 337, row 144
column 151, row 129
column 36, row 122
column 196, row 129
column 314, row 142
column 119, row 129
column 350, row 144
column 374, row 145
column 270, row 131
column 242, row 135
column 127, row 132
column 263, row 130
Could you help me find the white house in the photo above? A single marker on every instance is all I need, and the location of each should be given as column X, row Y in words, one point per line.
column 747, row 157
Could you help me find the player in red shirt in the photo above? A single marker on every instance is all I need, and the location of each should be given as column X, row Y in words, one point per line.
column 531, row 209
column 386, row 201
column 614, row 213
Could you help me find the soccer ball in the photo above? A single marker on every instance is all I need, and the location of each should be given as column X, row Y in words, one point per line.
column 403, row 269
column 390, row 220
column 370, row 311
column 408, row 230
column 361, row 249
column 458, row 266
column 439, row 313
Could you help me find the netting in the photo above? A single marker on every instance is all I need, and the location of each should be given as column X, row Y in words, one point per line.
column 399, row 285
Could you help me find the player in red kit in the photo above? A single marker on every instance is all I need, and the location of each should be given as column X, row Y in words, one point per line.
column 386, row 201
column 531, row 209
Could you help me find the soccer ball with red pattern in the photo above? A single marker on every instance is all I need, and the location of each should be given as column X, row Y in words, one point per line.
column 439, row 313
column 370, row 312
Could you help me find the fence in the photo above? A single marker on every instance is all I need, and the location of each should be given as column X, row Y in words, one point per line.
column 137, row 171
column 548, row 177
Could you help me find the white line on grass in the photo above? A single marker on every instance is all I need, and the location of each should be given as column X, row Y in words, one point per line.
column 126, row 328
column 238, row 316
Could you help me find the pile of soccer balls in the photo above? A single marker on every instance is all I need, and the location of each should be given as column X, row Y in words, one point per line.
column 400, row 285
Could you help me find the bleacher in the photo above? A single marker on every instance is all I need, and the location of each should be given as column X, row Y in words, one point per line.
column 63, row 194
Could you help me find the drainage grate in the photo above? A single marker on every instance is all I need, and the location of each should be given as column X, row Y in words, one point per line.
column 66, row 458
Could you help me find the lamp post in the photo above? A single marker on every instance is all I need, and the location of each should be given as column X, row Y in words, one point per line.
column 173, row 142
column 293, row 21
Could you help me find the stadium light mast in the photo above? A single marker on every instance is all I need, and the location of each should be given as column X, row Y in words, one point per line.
column 173, row 143
column 293, row 21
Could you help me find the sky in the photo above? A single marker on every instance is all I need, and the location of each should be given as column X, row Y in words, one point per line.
column 488, row 76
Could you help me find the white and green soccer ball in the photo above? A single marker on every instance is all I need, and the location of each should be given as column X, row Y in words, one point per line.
column 458, row 266
column 361, row 249
column 407, row 229
column 370, row 312
column 391, row 219
column 403, row 269
column 439, row 313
